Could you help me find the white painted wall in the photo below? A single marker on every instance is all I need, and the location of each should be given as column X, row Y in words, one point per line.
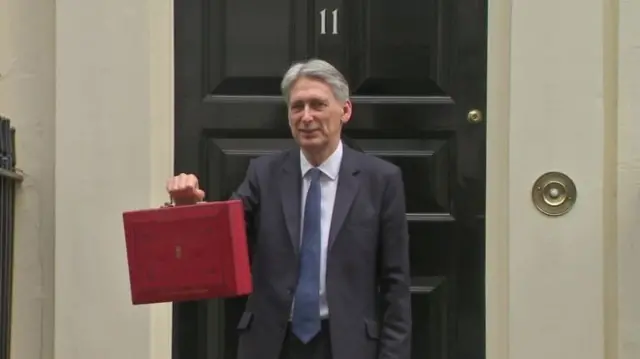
column 113, row 153
column 89, row 86
column 27, row 96
column 628, row 181
column 563, row 77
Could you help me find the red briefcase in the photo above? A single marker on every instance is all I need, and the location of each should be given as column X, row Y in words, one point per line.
column 187, row 252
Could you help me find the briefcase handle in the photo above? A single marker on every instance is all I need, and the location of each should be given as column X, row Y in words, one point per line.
column 171, row 204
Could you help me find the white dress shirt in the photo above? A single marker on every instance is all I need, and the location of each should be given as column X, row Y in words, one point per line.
column 328, row 186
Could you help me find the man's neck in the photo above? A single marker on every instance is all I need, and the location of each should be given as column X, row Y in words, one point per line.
column 316, row 158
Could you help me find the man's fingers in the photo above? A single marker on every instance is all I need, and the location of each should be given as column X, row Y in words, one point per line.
column 200, row 195
column 185, row 187
column 181, row 182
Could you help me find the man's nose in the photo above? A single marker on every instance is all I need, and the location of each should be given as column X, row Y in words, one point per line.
column 306, row 115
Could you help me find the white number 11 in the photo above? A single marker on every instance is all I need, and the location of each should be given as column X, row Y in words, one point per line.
column 323, row 22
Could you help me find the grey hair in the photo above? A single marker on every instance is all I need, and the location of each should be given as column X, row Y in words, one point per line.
column 316, row 69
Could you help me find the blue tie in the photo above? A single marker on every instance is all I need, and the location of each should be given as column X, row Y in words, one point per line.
column 305, row 323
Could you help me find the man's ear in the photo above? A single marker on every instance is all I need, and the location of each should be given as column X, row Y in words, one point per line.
column 346, row 112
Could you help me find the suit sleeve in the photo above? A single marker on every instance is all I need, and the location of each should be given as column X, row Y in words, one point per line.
column 395, row 335
column 249, row 193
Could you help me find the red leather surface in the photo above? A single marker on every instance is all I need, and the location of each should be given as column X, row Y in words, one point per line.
column 187, row 252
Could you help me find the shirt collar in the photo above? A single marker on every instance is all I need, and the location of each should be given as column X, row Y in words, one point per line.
column 330, row 167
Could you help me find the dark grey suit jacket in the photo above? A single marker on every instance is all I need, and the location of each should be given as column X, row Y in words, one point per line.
column 367, row 262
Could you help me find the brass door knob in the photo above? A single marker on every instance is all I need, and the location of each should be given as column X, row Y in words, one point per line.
column 474, row 116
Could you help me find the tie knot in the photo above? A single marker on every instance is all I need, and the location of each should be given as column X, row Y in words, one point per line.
column 314, row 174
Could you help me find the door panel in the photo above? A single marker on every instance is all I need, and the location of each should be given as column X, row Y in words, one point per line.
column 416, row 67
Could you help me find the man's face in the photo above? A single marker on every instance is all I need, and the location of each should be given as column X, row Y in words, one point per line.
column 315, row 115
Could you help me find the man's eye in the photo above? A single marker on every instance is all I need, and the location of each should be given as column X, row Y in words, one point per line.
column 318, row 104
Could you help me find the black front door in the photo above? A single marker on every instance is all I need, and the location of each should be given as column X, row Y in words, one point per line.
column 417, row 73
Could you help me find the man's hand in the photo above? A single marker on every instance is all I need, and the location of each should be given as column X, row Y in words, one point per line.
column 184, row 189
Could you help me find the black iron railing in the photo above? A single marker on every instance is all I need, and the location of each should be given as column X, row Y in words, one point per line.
column 9, row 178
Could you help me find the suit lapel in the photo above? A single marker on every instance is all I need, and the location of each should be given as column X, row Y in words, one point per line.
column 290, row 195
column 348, row 185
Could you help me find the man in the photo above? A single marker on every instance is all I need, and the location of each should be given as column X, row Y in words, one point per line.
column 329, row 236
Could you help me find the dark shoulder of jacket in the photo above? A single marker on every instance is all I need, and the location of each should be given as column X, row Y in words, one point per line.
column 376, row 165
column 266, row 161
column 350, row 142
column 385, row 167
